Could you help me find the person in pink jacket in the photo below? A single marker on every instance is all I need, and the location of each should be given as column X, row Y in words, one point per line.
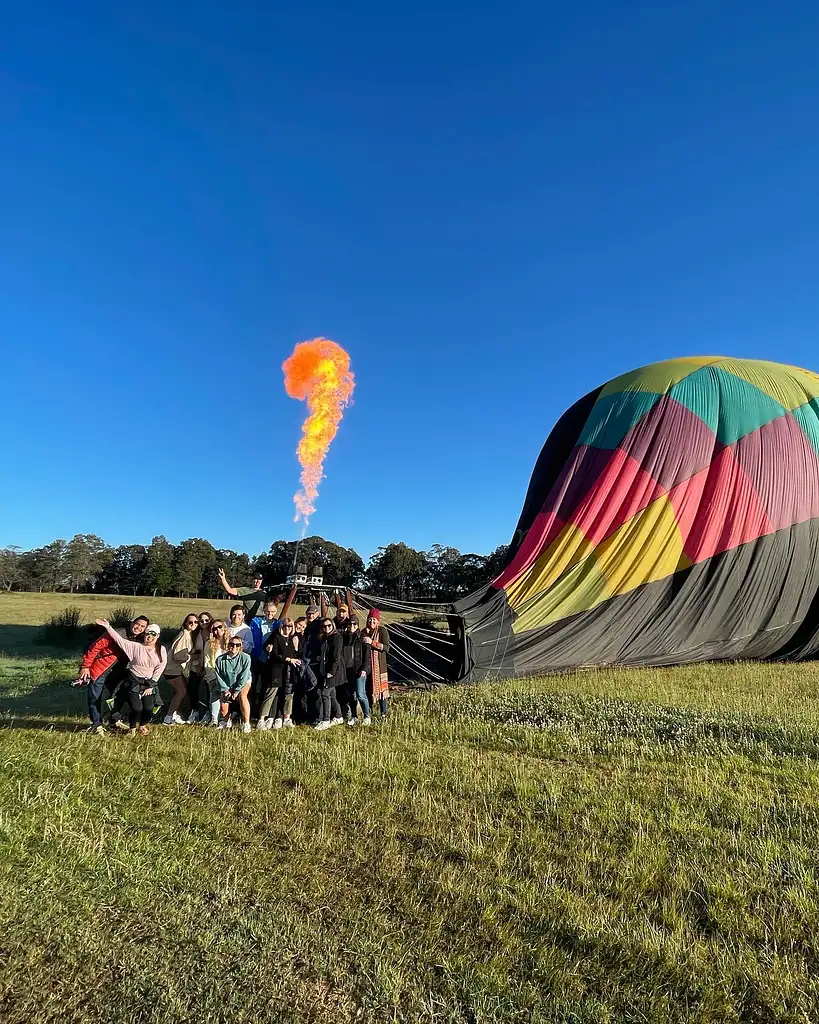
column 146, row 663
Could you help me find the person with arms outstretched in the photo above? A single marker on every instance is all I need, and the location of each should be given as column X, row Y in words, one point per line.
column 146, row 663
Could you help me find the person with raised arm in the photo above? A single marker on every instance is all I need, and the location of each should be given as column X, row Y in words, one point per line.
column 146, row 663
column 104, row 665
column 252, row 597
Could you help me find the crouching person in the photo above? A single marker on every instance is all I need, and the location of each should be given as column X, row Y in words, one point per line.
column 234, row 675
column 146, row 663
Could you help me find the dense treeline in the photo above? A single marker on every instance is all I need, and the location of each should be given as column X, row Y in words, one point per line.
column 86, row 564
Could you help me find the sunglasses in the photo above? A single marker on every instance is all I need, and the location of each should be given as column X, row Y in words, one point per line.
column 216, row 629
column 328, row 626
column 237, row 643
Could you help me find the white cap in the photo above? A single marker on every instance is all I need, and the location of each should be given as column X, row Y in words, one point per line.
column 153, row 628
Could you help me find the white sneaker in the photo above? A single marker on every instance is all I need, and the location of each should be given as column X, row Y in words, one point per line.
column 222, row 725
column 337, row 721
column 215, row 723
column 229, row 723
column 277, row 724
column 261, row 725
column 367, row 721
column 178, row 719
column 246, row 727
column 321, row 726
column 352, row 721
column 288, row 723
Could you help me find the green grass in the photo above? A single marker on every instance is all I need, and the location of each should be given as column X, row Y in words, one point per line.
column 615, row 846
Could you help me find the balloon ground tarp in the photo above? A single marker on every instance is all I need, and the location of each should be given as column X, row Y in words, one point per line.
column 672, row 517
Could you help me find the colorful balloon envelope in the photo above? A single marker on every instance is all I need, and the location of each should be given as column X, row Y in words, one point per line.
column 673, row 516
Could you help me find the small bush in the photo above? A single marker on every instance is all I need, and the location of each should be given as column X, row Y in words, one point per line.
column 64, row 629
column 122, row 616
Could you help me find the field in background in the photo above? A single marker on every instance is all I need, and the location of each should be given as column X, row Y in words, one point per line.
column 614, row 846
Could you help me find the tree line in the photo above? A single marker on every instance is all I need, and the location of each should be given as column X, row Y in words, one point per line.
column 86, row 564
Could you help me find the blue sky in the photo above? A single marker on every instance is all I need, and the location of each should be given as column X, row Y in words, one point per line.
column 493, row 207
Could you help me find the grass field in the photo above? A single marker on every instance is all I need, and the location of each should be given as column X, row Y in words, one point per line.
column 614, row 846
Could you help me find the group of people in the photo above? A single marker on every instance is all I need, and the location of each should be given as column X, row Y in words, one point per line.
column 261, row 666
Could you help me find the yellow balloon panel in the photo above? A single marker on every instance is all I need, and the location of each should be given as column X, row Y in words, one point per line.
column 646, row 548
column 658, row 377
column 569, row 547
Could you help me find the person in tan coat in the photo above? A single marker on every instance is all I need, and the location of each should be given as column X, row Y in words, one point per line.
column 176, row 671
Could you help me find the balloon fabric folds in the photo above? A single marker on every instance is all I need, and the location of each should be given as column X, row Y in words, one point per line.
column 672, row 516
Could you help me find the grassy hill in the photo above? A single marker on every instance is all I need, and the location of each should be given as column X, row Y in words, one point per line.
column 613, row 846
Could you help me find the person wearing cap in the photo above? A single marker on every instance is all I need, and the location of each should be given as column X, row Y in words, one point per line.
column 233, row 674
column 376, row 638
column 146, row 663
column 252, row 597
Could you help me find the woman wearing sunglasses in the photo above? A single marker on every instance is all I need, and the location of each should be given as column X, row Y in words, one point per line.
column 198, row 694
column 279, row 674
column 176, row 671
column 331, row 674
column 234, row 675
column 146, row 663
column 215, row 645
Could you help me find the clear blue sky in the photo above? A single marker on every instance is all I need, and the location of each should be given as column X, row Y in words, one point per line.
column 493, row 206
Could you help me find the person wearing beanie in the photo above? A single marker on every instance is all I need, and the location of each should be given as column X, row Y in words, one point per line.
column 376, row 638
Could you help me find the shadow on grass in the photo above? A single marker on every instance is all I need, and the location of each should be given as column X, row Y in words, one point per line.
column 20, row 641
column 44, row 724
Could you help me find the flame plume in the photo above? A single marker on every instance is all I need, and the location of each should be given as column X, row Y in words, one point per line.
column 318, row 371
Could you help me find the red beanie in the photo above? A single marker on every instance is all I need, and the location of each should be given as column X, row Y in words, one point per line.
column 373, row 613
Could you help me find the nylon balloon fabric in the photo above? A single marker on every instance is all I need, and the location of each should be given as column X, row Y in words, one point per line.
column 673, row 516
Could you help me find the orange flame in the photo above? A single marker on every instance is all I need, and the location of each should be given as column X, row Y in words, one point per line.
column 318, row 371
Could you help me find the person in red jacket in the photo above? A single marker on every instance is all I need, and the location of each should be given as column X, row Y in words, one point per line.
column 102, row 665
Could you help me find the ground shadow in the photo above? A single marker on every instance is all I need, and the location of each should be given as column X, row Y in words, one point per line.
column 21, row 641
column 45, row 724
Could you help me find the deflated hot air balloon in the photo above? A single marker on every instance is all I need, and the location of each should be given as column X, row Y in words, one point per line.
column 673, row 516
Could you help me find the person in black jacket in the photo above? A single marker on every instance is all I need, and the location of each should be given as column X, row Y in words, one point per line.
column 356, row 656
column 279, row 675
column 331, row 674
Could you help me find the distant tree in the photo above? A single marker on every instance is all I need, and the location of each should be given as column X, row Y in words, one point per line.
column 12, row 566
column 441, row 580
column 125, row 571
column 83, row 559
column 496, row 562
column 192, row 560
column 398, row 570
column 237, row 569
column 158, row 577
column 44, row 567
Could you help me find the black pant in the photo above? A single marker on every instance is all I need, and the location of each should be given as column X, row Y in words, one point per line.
column 140, row 705
column 258, row 682
column 198, row 699
column 328, row 705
